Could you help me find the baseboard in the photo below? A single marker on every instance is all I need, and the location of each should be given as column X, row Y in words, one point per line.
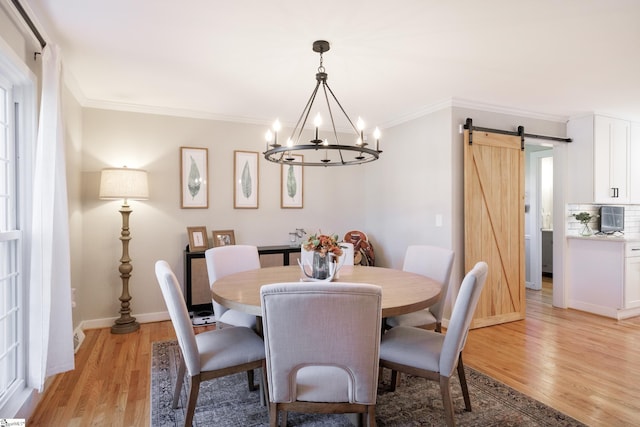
column 140, row 318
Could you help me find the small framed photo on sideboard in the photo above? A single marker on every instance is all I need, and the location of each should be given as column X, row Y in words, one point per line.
column 198, row 240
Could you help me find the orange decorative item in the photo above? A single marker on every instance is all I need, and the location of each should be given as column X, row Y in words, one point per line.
column 362, row 248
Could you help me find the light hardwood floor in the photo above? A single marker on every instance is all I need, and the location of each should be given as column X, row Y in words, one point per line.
column 584, row 365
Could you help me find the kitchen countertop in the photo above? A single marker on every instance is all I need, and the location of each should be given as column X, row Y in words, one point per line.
column 628, row 237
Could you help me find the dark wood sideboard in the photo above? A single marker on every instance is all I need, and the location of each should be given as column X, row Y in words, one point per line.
column 196, row 278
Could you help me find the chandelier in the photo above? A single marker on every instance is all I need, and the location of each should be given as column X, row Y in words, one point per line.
column 320, row 150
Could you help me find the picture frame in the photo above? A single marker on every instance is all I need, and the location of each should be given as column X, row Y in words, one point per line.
column 194, row 178
column 198, row 239
column 245, row 179
column 292, row 185
column 223, row 238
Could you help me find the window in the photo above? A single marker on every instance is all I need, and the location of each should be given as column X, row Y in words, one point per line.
column 17, row 131
column 11, row 346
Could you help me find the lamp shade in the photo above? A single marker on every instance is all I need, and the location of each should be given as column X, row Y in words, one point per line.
column 123, row 183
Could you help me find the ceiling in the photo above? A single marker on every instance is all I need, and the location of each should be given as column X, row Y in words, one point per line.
column 252, row 61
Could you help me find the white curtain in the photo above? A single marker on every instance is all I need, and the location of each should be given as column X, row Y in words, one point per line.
column 50, row 323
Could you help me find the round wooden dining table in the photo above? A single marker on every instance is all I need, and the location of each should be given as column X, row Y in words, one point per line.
column 402, row 292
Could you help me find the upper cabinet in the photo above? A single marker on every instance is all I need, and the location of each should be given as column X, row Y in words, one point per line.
column 634, row 164
column 611, row 160
column 599, row 161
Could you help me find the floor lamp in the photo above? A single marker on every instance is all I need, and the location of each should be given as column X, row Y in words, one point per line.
column 126, row 184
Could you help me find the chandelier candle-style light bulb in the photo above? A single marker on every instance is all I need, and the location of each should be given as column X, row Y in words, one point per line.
column 317, row 122
column 325, row 143
column 269, row 137
column 344, row 150
column 360, row 125
column 276, row 129
column 376, row 136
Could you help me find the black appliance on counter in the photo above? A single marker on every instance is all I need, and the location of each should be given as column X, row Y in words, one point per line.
column 611, row 219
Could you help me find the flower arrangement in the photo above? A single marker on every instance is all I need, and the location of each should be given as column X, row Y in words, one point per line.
column 323, row 244
column 584, row 217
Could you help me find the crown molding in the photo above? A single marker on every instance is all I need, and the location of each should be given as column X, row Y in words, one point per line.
column 474, row 105
column 423, row 111
column 178, row 112
column 492, row 108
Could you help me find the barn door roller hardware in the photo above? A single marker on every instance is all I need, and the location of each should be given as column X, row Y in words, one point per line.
column 520, row 132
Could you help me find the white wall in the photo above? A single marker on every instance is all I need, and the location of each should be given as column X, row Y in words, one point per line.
column 72, row 113
column 409, row 186
column 333, row 202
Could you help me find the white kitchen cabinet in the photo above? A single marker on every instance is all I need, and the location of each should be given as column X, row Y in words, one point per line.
column 604, row 276
column 632, row 276
column 599, row 160
column 611, row 160
column 634, row 172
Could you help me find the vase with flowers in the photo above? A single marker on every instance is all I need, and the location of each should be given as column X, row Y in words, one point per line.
column 585, row 218
column 326, row 251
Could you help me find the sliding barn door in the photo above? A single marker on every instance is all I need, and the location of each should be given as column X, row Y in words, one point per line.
column 494, row 223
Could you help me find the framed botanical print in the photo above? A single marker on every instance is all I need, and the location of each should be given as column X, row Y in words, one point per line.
column 223, row 238
column 291, row 185
column 198, row 240
column 194, row 183
column 245, row 180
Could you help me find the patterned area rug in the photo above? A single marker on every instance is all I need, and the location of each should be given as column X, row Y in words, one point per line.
column 228, row 402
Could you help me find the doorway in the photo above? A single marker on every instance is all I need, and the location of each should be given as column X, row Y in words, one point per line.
column 539, row 213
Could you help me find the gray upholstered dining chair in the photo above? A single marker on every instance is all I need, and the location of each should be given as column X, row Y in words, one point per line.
column 225, row 260
column 435, row 263
column 433, row 355
column 321, row 346
column 207, row 355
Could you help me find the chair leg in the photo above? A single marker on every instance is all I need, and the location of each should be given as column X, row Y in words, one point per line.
column 447, row 402
column 463, row 384
column 193, row 399
column 370, row 416
column 438, row 327
column 264, row 386
column 273, row 414
column 182, row 367
column 252, row 385
column 395, row 380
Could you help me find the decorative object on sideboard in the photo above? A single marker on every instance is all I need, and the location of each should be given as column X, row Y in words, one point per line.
column 198, row 241
column 223, row 238
column 585, row 218
column 295, row 237
column 127, row 184
column 362, row 247
column 327, row 151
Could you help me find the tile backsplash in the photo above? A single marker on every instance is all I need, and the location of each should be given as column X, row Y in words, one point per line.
column 631, row 218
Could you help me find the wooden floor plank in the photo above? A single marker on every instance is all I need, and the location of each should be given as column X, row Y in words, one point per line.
column 581, row 364
column 584, row 365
